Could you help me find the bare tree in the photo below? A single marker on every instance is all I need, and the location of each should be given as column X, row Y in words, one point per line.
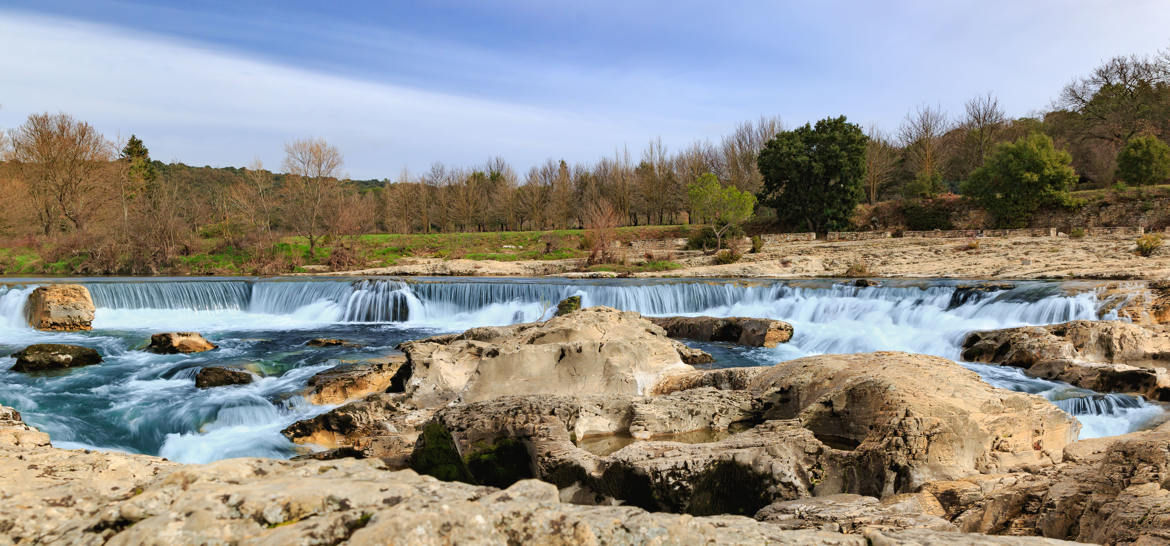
column 601, row 221
column 921, row 135
column 312, row 190
column 881, row 162
column 984, row 122
column 61, row 160
column 741, row 148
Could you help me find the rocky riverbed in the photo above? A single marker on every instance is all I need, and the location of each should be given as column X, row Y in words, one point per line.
column 604, row 426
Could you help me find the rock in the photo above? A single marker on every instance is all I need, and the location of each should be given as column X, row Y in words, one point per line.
column 594, row 350
column 857, row 514
column 330, row 342
column 865, row 283
column 87, row 497
column 1105, row 356
column 52, row 356
column 568, row 305
column 215, row 376
column 350, row 382
column 1142, row 303
column 15, row 433
column 179, row 342
column 753, row 332
column 63, row 307
column 378, row 426
column 692, row 356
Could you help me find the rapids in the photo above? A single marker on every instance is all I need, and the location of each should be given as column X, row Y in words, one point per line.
column 145, row 403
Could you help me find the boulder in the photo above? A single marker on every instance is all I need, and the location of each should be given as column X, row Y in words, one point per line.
column 906, row 419
column 1105, row 356
column 62, row 307
column 53, row 356
column 15, row 433
column 568, row 305
column 216, row 376
column 179, row 342
column 591, row 351
column 350, row 382
column 752, row 332
column 330, row 342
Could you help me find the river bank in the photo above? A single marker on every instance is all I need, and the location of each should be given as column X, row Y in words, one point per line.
column 1093, row 258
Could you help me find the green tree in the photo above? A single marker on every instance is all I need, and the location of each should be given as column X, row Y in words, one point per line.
column 1143, row 160
column 1020, row 177
column 814, row 176
column 725, row 207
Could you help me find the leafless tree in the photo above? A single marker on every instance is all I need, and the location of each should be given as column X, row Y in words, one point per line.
column 881, row 162
column 984, row 122
column 921, row 136
column 61, row 160
column 312, row 190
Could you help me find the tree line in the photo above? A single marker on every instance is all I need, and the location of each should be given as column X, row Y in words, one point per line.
column 82, row 197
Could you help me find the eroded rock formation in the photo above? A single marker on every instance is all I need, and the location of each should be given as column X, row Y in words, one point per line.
column 1106, row 356
column 753, row 332
column 352, row 381
column 63, row 307
column 84, row 497
column 217, row 376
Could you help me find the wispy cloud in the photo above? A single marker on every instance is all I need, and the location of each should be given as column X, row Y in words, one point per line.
column 201, row 105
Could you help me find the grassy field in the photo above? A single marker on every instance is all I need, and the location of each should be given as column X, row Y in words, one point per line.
column 368, row 251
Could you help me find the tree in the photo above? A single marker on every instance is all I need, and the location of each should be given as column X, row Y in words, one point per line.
column 312, row 190
column 61, row 160
column 881, row 161
column 813, row 176
column 138, row 175
column 725, row 207
column 1020, row 177
column 921, row 134
column 1143, row 160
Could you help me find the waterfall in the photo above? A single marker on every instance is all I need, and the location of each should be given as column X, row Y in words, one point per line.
column 12, row 299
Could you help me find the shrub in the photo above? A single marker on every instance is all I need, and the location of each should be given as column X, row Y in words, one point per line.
column 1148, row 243
column 857, row 269
column 971, row 245
column 757, row 244
column 1020, row 177
column 1143, row 160
column 1077, row 233
column 704, row 238
column 928, row 215
column 727, row 256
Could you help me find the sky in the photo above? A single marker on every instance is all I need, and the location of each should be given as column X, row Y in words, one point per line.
column 403, row 85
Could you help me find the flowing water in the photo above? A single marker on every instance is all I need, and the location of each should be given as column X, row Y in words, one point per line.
column 146, row 403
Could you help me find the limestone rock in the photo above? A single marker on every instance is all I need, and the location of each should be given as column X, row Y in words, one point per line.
column 216, row 376
column 64, row 307
column 856, row 514
column 179, row 342
column 350, row 382
column 908, row 419
column 54, row 356
column 15, row 433
column 1106, row 356
column 591, row 351
column 752, row 332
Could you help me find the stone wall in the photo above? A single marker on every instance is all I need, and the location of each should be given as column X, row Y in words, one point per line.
column 857, row 235
column 942, row 234
column 1025, row 232
column 771, row 238
column 1115, row 231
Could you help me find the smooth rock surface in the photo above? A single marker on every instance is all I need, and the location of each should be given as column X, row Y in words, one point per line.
column 353, row 381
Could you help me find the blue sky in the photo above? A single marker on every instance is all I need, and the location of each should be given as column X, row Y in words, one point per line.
column 398, row 85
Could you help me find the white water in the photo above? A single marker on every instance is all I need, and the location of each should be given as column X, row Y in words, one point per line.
column 148, row 398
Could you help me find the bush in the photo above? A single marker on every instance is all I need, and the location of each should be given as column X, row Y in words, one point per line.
column 727, row 256
column 704, row 238
column 757, row 244
column 1148, row 243
column 857, row 269
column 1077, row 233
column 1143, row 160
column 928, row 215
column 1020, row 177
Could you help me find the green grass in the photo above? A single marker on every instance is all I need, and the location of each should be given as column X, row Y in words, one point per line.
column 643, row 267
